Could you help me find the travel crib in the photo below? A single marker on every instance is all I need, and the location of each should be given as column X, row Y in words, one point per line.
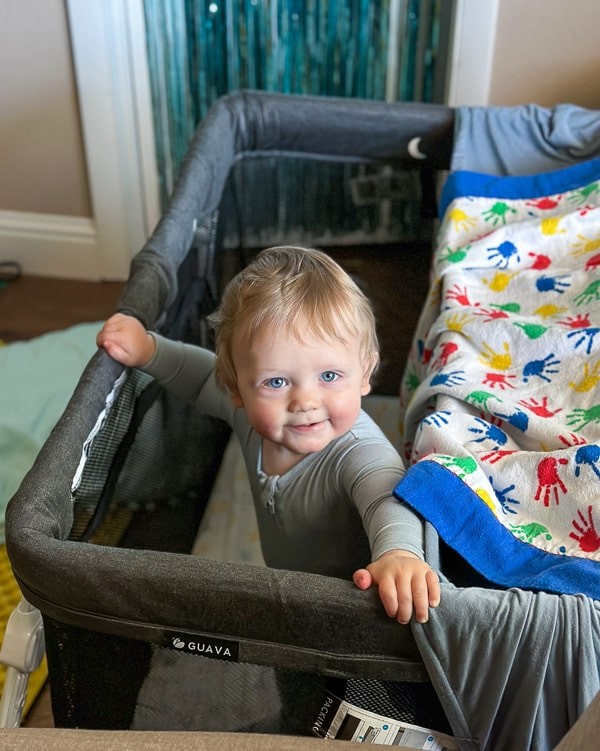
column 139, row 634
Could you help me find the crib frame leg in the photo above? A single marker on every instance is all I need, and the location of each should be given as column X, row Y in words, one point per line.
column 22, row 652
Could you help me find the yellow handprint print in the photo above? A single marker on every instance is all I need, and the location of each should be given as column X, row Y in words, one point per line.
column 460, row 220
column 496, row 360
column 590, row 378
column 549, row 226
column 549, row 311
column 586, row 245
column 458, row 321
column 499, row 281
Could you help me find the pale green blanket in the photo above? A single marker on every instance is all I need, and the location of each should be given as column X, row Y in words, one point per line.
column 37, row 378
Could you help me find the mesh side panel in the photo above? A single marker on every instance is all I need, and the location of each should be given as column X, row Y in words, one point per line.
column 346, row 203
column 152, row 479
column 196, row 295
column 94, row 677
column 103, row 681
column 154, row 459
column 192, row 692
column 415, row 703
column 101, row 452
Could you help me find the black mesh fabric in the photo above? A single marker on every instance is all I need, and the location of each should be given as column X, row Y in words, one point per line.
column 368, row 205
column 415, row 703
column 95, row 678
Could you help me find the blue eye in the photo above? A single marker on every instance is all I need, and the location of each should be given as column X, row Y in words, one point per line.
column 275, row 383
column 329, row 376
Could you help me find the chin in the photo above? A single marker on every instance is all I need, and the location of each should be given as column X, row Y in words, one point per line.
column 313, row 447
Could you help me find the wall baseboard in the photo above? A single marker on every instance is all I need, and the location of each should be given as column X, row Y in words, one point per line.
column 50, row 245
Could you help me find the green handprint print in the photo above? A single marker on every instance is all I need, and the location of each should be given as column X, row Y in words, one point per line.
column 579, row 418
column 463, row 465
column 590, row 293
column 498, row 213
column 528, row 532
column 481, row 398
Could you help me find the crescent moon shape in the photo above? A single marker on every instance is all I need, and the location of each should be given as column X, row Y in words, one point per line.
column 414, row 150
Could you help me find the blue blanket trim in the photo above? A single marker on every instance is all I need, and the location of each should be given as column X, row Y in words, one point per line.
column 462, row 184
column 468, row 526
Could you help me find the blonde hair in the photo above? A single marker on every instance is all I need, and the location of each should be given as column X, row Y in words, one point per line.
column 296, row 289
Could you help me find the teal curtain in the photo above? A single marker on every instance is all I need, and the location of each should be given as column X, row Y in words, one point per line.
column 199, row 50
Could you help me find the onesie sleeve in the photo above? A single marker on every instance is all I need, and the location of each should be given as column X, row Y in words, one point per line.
column 187, row 371
column 372, row 469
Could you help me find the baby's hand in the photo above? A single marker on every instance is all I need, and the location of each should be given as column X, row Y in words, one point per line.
column 126, row 340
column 405, row 583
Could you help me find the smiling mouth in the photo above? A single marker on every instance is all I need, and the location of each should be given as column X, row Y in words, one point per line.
column 306, row 427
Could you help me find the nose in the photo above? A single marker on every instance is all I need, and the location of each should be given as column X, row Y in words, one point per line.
column 303, row 399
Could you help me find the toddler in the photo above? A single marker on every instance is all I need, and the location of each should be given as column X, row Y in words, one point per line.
column 295, row 352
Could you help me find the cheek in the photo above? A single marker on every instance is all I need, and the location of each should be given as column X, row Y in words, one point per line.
column 345, row 407
column 263, row 416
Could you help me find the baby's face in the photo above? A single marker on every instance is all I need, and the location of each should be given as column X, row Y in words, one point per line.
column 299, row 395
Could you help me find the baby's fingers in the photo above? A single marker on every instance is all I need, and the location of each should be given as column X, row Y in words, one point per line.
column 426, row 594
column 420, row 596
column 406, row 603
column 435, row 592
column 362, row 578
column 115, row 351
column 388, row 594
column 396, row 596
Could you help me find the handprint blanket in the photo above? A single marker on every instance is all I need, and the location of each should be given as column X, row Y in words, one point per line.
column 501, row 395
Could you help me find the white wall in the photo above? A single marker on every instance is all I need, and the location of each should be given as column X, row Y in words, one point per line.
column 42, row 166
column 547, row 52
column 78, row 192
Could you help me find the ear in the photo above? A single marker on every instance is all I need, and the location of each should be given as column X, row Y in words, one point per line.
column 236, row 399
column 365, row 387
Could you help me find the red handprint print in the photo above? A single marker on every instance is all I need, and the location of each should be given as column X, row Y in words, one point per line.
column 540, row 262
column 447, row 349
column 491, row 314
column 572, row 440
column 580, row 321
column 544, row 203
column 494, row 456
column 588, row 538
column 548, row 480
column 460, row 295
column 498, row 379
column 539, row 408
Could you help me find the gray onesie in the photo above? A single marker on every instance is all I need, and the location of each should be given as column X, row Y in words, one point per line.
column 314, row 517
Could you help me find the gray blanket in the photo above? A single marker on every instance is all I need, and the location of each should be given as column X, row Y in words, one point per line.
column 513, row 669
column 524, row 140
